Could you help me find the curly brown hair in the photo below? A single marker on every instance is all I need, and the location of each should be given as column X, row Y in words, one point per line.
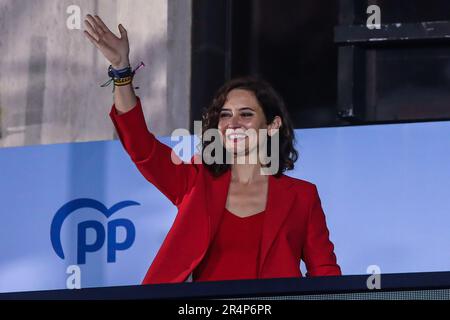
column 272, row 105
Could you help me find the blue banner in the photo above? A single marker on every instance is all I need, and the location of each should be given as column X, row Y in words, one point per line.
column 384, row 188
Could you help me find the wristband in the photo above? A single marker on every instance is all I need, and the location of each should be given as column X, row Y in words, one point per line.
column 121, row 77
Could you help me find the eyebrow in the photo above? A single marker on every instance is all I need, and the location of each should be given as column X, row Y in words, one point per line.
column 241, row 109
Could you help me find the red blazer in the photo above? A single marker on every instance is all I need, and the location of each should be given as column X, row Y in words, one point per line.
column 294, row 227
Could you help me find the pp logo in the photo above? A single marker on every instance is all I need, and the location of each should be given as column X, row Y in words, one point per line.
column 110, row 234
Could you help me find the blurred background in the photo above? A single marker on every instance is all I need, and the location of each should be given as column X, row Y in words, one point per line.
column 331, row 69
column 50, row 75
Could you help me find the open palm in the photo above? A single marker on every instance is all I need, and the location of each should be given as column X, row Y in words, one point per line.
column 116, row 50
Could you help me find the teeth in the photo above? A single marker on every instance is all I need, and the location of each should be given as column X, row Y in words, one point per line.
column 236, row 136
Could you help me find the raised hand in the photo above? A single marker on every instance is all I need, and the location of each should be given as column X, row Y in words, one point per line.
column 116, row 50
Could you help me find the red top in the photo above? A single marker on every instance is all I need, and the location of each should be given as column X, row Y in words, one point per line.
column 234, row 252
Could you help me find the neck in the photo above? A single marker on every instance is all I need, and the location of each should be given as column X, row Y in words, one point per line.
column 246, row 173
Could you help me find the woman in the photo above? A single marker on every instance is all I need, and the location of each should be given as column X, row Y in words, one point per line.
column 234, row 221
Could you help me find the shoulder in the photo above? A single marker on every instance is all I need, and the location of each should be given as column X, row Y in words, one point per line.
column 300, row 186
column 298, row 183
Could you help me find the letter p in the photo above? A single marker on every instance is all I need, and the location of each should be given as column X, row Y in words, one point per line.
column 83, row 246
column 113, row 245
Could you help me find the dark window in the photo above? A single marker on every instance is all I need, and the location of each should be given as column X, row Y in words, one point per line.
column 329, row 71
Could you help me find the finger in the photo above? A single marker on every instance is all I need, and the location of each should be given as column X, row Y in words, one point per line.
column 101, row 24
column 94, row 24
column 123, row 32
column 91, row 38
column 91, row 31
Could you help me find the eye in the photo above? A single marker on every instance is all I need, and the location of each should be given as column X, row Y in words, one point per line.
column 224, row 114
column 246, row 114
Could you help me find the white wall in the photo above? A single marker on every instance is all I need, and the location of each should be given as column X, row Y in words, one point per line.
column 50, row 76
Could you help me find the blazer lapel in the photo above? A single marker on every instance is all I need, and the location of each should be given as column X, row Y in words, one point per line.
column 216, row 200
column 279, row 202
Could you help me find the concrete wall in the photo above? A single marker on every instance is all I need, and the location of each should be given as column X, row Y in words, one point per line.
column 50, row 76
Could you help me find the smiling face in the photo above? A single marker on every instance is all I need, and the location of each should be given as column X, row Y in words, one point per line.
column 240, row 119
column 241, row 105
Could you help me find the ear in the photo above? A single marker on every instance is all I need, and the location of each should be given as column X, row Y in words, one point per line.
column 274, row 126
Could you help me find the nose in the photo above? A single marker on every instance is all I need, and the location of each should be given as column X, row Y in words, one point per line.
column 234, row 122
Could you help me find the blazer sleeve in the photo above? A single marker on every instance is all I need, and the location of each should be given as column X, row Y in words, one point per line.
column 155, row 160
column 318, row 253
